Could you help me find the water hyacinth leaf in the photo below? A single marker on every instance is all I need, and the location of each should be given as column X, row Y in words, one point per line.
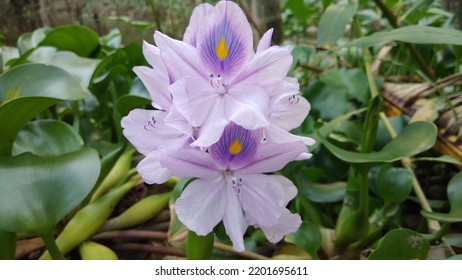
column 394, row 184
column 416, row 34
column 307, row 237
column 298, row 8
column 454, row 191
column 401, row 244
column 113, row 39
column 444, row 159
column 319, row 192
column 40, row 191
column 28, row 41
column 333, row 22
column 413, row 139
column 47, row 138
column 75, row 38
column 27, row 90
column 80, row 67
column 137, row 98
column 138, row 24
column 353, row 80
column 326, row 100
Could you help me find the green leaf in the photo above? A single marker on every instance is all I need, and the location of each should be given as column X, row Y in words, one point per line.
column 413, row 139
column 454, row 191
column 328, row 101
column 138, row 98
column 298, row 9
column 28, row 41
column 444, row 159
column 394, row 184
column 401, row 244
column 27, row 90
column 455, row 257
column 307, row 237
column 333, row 22
column 80, row 67
column 416, row 34
column 75, row 38
column 354, row 81
column 140, row 25
column 47, row 138
column 38, row 192
column 319, row 192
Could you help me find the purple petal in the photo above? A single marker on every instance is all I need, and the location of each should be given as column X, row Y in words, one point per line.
column 261, row 197
column 147, row 131
column 189, row 162
column 227, row 44
column 214, row 125
column 196, row 22
column 151, row 171
column 236, row 147
column 275, row 134
column 290, row 191
column 195, row 98
column 272, row 157
column 157, row 85
column 153, row 57
column 266, row 68
column 234, row 220
column 286, row 224
column 288, row 111
column 248, row 106
column 180, row 58
column 265, row 41
column 201, row 205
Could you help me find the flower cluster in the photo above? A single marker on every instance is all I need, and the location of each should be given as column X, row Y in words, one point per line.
column 223, row 116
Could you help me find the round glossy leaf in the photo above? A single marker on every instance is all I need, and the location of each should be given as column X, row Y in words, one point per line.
column 78, row 66
column 401, row 244
column 454, row 191
column 38, row 192
column 47, row 138
column 75, row 38
column 394, row 184
column 319, row 192
column 413, row 139
column 307, row 237
column 29, row 89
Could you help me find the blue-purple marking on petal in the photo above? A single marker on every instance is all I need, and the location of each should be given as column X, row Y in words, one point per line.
column 235, row 55
column 248, row 140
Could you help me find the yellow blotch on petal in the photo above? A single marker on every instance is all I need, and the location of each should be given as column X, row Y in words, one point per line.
column 235, row 147
column 221, row 50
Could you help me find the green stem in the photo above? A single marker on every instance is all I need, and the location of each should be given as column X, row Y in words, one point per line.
column 51, row 246
column 199, row 247
column 7, row 245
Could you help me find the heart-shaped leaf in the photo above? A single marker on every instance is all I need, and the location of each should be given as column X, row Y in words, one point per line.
column 75, row 38
column 39, row 191
column 394, row 184
column 401, row 244
column 454, row 191
column 47, row 138
column 29, row 89
column 413, row 139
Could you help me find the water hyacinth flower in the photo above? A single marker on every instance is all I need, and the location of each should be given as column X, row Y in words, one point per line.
column 232, row 188
column 223, row 116
column 217, row 78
